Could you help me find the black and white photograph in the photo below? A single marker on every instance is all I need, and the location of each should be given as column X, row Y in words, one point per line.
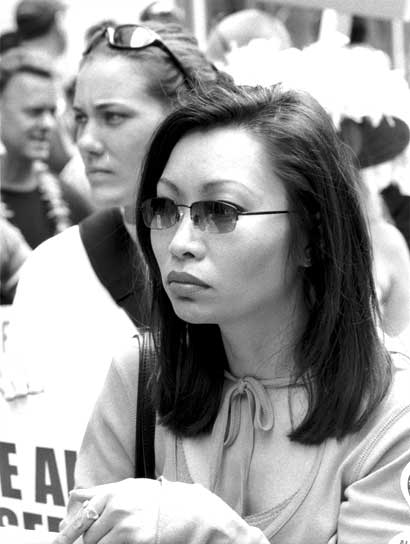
column 205, row 272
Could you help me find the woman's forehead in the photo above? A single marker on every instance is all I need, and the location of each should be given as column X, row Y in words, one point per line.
column 229, row 148
column 112, row 61
column 228, row 157
column 116, row 75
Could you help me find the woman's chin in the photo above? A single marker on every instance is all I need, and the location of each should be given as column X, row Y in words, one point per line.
column 192, row 315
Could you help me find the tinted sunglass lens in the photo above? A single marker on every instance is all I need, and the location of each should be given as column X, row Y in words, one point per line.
column 213, row 216
column 210, row 216
column 131, row 36
column 159, row 213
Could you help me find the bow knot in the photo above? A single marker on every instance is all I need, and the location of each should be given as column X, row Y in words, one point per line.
column 259, row 407
column 246, row 408
column 242, row 384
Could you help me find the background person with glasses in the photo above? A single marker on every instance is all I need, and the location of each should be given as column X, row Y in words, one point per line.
column 69, row 309
column 272, row 389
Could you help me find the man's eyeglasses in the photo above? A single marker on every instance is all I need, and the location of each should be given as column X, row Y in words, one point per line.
column 208, row 215
column 134, row 37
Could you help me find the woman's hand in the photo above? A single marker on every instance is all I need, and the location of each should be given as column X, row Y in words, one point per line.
column 125, row 511
column 146, row 511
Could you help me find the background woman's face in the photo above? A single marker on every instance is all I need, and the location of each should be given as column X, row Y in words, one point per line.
column 247, row 272
column 115, row 121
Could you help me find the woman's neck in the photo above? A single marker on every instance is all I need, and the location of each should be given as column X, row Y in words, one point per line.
column 264, row 348
column 129, row 225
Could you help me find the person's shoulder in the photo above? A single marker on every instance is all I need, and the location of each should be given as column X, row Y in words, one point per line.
column 126, row 361
column 58, row 245
column 57, row 253
column 398, row 397
column 386, row 434
column 389, row 238
column 394, row 410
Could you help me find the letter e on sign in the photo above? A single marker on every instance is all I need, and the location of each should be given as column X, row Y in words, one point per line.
column 7, row 470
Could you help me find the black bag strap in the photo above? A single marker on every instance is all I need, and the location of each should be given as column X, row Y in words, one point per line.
column 113, row 256
column 145, row 422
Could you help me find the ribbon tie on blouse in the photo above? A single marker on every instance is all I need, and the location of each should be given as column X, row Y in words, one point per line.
column 246, row 407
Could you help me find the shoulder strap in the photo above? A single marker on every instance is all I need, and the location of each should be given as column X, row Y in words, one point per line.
column 113, row 256
column 145, row 423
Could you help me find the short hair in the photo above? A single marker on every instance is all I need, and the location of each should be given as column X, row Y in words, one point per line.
column 36, row 18
column 339, row 357
column 19, row 60
column 8, row 40
column 165, row 80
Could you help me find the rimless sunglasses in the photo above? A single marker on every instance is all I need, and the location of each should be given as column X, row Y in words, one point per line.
column 208, row 215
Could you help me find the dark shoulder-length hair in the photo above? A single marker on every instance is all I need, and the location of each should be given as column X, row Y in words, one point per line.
column 345, row 369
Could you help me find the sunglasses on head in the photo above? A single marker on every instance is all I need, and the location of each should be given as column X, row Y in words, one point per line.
column 208, row 215
column 134, row 37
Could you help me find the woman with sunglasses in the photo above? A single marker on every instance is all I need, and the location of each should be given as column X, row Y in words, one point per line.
column 130, row 78
column 281, row 417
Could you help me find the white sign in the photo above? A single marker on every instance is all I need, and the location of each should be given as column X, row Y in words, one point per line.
column 41, row 430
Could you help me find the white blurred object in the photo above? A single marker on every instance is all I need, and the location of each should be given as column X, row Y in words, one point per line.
column 352, row 82
column 380, row 9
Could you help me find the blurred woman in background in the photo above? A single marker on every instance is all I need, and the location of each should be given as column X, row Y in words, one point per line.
column 76, row 298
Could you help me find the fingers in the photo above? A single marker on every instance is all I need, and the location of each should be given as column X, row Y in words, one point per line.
column 72, row 510
column 77, row 526
column 90, row 512
column 75, row 503
column 100, row 514
column 82, row 494
column 78, row 499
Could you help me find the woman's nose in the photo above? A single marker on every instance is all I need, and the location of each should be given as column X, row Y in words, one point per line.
column 187, row 240
column 88, row 141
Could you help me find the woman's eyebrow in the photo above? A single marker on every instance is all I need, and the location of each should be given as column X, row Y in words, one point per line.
column 170, row 184
column 106, row 104
column 209, row 186
column 217, row 184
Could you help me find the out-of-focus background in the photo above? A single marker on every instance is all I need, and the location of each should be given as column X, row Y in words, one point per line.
column 387, row 21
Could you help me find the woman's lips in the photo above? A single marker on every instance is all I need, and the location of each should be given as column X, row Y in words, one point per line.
column 98, row 176
column 184, row 277
column 94, row 171
column 184, row 284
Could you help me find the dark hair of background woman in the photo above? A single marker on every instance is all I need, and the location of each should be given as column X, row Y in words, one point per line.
column 339, row 357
